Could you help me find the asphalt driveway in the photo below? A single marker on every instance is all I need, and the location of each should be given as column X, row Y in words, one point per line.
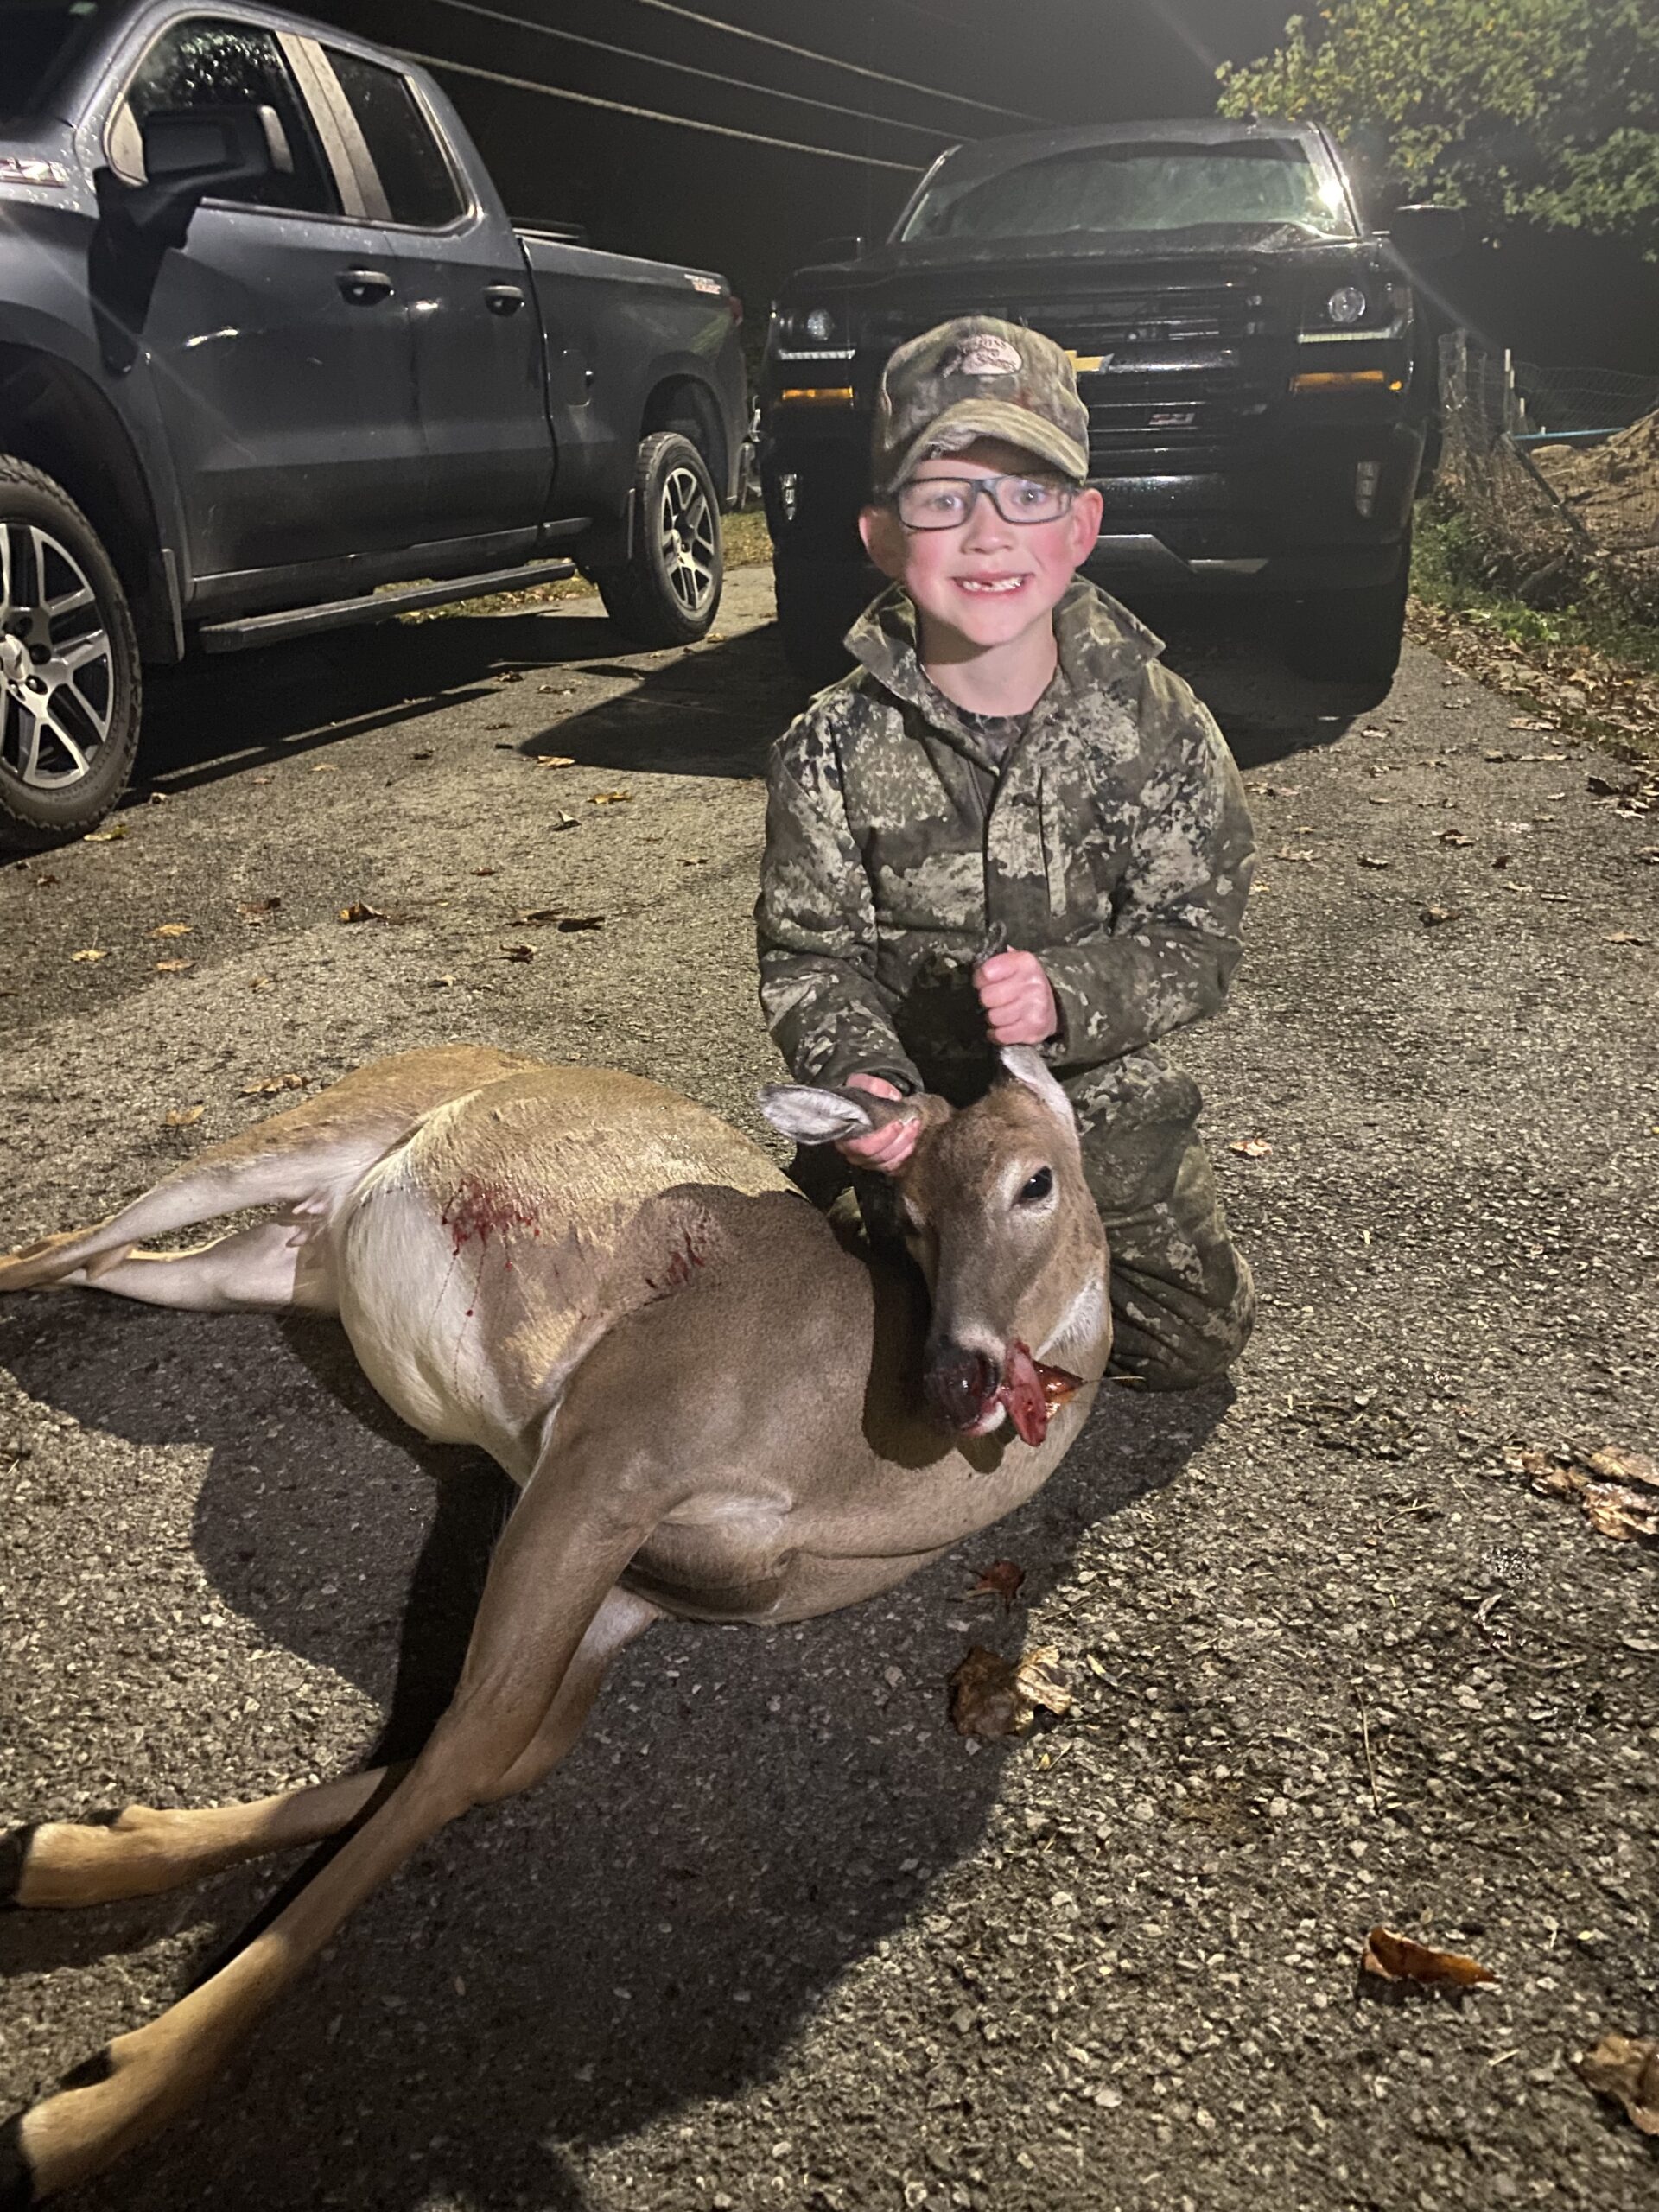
column 775, row 1936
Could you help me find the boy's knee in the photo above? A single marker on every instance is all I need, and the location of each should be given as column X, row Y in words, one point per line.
column 1177, row 1339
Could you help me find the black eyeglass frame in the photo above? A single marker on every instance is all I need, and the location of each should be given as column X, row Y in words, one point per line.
column 990, row 485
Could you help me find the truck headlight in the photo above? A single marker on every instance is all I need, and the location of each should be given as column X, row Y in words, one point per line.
column 1346, row 306
column 810, row 333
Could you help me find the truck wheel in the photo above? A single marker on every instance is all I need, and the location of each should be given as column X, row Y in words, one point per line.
column 669, row 593
column 1353, row 636
column 69, row 673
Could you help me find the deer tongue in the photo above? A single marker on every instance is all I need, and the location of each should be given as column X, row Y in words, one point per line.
column 1031, row 1392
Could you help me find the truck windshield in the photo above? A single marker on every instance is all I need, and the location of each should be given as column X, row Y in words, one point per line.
column 38, row 39
column 1263, row 183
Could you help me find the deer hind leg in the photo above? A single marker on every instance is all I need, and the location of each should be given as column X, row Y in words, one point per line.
column 145, row 1850
column 557, row 1562
column 296, row 1159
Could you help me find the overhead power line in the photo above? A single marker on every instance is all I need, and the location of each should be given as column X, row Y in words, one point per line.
column 832, row 61
column 685, row 68
column 648, row 114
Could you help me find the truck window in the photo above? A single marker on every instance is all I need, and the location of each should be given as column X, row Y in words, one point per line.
column 203, row 63
column 1125, row 186
column 414, row 174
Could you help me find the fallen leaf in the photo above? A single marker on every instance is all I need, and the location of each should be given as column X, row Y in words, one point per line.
column 1370, row 860
column 1626, row 2067
column 263, row 983
column 255, row 910
column 565, row 821
column 105, row 836
column 325, row 767
column 89, row 955
column 1452, row 838
column 181, row 1117
column 267, row 1086
column 173, row 967
column 518, row 951
column 1615, row 1465
column 171, row 929
column 610, row 799
column 359, row 911
column 1396, row 1958
column 421, row 756
column 1625, row 937
column 1285, row 853
column 1616, row 1512
column 992, row 1696
column 553, row 760
column 581, row 922
column 1435, row 915
column 1001, row 1578
column 45, row 882
column 1250, row 1147
column 487, row 871
column 262, row 779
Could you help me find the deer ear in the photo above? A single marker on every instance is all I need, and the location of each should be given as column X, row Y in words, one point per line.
column 1027, row 1065
column 812, row 1115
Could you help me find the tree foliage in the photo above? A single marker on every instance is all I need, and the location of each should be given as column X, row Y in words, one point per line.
column 1539, row 111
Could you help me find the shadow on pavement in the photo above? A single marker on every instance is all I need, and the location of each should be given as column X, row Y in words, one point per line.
column 710, row 710
column 1231, row 653
column 745, row 1815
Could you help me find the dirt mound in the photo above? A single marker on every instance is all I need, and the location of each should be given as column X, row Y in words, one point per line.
column 1613, row 488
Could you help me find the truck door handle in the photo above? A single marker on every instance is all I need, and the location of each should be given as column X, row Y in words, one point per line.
column 363, row 287
column 503, row 299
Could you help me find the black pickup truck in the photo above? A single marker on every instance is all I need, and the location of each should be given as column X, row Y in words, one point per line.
column 1250, row 354
column 269, row 345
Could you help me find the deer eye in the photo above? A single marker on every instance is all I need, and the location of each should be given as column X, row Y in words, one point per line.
column 1038, row 1188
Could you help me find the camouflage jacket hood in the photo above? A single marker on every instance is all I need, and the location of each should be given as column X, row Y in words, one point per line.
column 1112, row 840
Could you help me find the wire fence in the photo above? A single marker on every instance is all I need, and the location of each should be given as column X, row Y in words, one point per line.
column 1552, row 521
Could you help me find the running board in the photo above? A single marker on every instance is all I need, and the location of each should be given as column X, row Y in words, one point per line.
column 373, row 606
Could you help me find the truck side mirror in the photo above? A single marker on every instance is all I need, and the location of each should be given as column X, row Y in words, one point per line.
column 191, row 152
column 1422, row 233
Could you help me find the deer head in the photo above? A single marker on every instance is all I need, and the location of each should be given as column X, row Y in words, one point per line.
column 998, row 1216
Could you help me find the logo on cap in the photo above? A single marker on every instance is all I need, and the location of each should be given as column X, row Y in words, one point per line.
column 984, row 354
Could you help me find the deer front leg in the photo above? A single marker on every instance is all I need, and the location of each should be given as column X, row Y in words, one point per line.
column 145, row 1849
column 559, row 1558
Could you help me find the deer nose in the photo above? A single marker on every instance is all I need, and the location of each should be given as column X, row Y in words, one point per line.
column 959, row 1385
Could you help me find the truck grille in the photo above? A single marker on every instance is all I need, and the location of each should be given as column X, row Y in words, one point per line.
column 1181, row 366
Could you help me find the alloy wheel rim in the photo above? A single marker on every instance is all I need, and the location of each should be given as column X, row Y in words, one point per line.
column 688, row 539
column 57, row 662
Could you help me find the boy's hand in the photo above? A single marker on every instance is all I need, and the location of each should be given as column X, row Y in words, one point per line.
column 885, row 1150
column 1017, row 999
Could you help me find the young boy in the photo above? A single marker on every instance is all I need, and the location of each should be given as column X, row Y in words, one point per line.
column 1011, row 824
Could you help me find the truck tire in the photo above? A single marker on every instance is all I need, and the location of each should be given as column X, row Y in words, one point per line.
column 1353, row 636
column 669, row 593
column 70, row 682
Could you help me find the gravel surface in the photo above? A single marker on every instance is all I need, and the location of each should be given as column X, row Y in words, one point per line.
column 775, row 1936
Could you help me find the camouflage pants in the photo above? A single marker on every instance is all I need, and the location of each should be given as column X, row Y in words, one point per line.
column 1183, row 1301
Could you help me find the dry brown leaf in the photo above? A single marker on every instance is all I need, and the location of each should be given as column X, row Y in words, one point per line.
column 171, row 929
column 181, row 1117
column 1452, row 838
column 88, row 954
column 564, row 822
column 1396, row 1958
column 1370, row 860
column 267, row 1086
column 569, row 921
column 983, row 1699
column 1435, row 915
column 1040, row 1682
column 1613, row 1464
column 359, row 911
column 105, row 836
column 1250, row 1147
column 1001, row 1578
column 518, row 952
column 1613, row 1511
column 325, row 767
column 1626, row 2067
column 262, row 779
column 173, row 967
column 255, row 910
column 1287, row 852
column 1624, row 936
column 553, row 760
column 610, row 799
column 486, row 870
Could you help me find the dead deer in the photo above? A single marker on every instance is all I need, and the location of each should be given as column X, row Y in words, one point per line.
column 716, row 1409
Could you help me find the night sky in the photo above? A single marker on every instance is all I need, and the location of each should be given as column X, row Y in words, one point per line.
column 755, row 210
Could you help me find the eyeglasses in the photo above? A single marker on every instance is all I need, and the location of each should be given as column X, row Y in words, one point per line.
column 946, row 502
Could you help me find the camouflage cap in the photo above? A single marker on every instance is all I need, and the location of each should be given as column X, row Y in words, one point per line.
column 977, row 377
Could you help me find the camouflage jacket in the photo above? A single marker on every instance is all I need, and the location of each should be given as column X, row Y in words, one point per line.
column 1112, row 840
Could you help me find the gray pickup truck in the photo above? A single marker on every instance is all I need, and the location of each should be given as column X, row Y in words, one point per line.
column 269, row 346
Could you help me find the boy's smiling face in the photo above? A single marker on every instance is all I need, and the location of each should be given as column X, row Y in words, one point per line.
column 987, row 583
